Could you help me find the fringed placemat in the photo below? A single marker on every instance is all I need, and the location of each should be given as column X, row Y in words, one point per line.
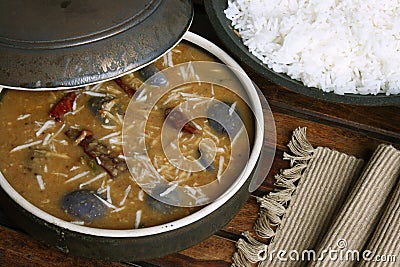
column 364, row 206
column 308, row 199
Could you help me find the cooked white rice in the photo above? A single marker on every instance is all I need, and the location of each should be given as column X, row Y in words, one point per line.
column 345, row 46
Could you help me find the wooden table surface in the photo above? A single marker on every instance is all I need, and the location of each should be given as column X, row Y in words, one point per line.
column 356, row 130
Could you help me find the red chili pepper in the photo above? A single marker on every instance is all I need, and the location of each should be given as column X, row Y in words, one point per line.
column 189, row 128
column 63, row 106
column 128, row 89
column 176, row 120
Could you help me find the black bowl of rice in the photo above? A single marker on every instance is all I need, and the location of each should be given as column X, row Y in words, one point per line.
column 338, row 52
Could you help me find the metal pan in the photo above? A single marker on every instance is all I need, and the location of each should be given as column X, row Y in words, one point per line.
column 160, row 240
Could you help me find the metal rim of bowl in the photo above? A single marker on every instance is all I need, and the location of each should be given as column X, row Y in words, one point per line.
column 174, row 225
column 215, row 11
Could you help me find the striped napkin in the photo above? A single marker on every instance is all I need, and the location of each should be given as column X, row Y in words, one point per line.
column 386, row 238
column 364, row 206
column 325, row 202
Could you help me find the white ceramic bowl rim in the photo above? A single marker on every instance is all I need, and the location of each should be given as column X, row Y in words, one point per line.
column 203, row 212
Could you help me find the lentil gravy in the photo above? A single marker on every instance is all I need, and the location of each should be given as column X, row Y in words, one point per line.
column 64, row 148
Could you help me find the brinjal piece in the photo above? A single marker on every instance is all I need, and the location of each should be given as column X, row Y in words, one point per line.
column 83, row 205
column 159, row 206
column 216, row 126
column 104, row 109
column 205, row 162
column 149, row 71
column 224, row 120
column 95, row 105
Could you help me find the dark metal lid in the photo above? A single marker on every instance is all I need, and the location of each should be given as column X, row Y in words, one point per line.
column 54, row 43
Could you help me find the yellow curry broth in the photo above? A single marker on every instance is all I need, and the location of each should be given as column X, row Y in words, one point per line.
column 62, row 165
column 189, row 143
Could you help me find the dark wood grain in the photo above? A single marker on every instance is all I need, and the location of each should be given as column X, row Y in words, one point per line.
column 380, row 121
column 16, row 249
column 356, row 130
column 245, row 219
column 346, row 140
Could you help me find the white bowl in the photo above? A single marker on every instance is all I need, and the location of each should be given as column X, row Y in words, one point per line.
column 150, row 242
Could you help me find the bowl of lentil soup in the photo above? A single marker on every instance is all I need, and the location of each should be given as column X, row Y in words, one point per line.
column 66, row 181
